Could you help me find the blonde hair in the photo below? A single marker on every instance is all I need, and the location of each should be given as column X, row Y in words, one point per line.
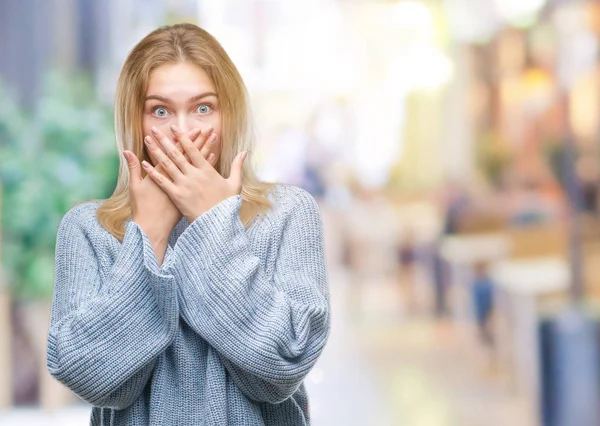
column 182, row 43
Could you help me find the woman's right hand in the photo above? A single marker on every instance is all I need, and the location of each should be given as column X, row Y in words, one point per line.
column 151, row 208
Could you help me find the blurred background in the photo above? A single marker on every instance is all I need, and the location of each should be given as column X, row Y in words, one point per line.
column 453, row 147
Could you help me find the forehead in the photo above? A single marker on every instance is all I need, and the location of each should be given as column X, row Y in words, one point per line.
column 182, row 77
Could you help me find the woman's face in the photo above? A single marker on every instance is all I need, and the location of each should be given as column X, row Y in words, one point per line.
column 184, row 95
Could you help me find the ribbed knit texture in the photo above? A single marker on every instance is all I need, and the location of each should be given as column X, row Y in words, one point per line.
column 223, row 333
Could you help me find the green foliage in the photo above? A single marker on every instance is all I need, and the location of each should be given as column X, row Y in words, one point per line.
column 51, row 158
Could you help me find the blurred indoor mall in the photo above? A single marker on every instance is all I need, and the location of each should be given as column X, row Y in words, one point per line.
column 453, row 147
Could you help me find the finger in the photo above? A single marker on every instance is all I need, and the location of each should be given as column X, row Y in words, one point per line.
column 174, row 152
column 212, row 159
column 158, row 166
column 165, row 184
column 180, row 160
column 237, row 169
column 193, row 134
column 203, row 140
column 164, row 142
column 163, row 159
column 133, row 164
column 190, row 149
column 209, row 145
column 197, row 136
column 152, row 157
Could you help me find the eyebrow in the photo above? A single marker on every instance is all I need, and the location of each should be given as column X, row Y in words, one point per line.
column 190, row 100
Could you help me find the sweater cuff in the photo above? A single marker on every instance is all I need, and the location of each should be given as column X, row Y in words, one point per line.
column 215, row 256
column 160, row 280
column 150, row 259
column 215, row 235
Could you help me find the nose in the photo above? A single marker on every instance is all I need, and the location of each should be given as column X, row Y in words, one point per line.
column 183, row 124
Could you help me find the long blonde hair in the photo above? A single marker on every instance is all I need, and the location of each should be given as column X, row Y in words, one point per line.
column 182, row 43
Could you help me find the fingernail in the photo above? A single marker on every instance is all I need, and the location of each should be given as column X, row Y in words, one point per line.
column 126, row 155
column 244, row 155
column 154, row 130
column 211, row 157
column 213, row 138
column 195, row 133
column 174, row 128
column 145, row 164
column 148, row 140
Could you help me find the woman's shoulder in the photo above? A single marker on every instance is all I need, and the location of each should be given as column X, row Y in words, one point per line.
column 287, row 199
column 82, row 215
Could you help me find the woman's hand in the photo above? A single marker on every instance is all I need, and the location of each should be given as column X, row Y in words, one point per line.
column 151, row 208
column 195, row 186
column 193, row 136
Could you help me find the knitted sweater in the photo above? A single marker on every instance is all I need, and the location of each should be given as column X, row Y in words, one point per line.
column 223, row 333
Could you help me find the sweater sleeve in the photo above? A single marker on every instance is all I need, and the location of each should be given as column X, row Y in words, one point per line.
column 268, row 332
column 104, row 340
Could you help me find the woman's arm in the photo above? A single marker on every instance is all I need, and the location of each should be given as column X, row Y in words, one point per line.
column 103, row 342
column 268, row 332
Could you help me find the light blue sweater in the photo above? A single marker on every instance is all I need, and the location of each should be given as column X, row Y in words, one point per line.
column 223, row 333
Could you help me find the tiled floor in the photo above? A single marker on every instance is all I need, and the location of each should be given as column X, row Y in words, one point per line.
column 385, row 367
column 342, row 386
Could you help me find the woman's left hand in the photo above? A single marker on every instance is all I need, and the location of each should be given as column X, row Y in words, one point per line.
column 196, row 186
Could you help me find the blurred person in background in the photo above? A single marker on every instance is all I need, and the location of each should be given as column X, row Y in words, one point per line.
column 482, row 294
column 195, row 294
column 407, row 253
column 455, row 204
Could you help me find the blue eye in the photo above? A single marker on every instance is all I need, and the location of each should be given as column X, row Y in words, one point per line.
column 204, row 109
column 160, row 112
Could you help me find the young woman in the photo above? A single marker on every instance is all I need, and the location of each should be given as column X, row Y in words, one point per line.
column 194, row 295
